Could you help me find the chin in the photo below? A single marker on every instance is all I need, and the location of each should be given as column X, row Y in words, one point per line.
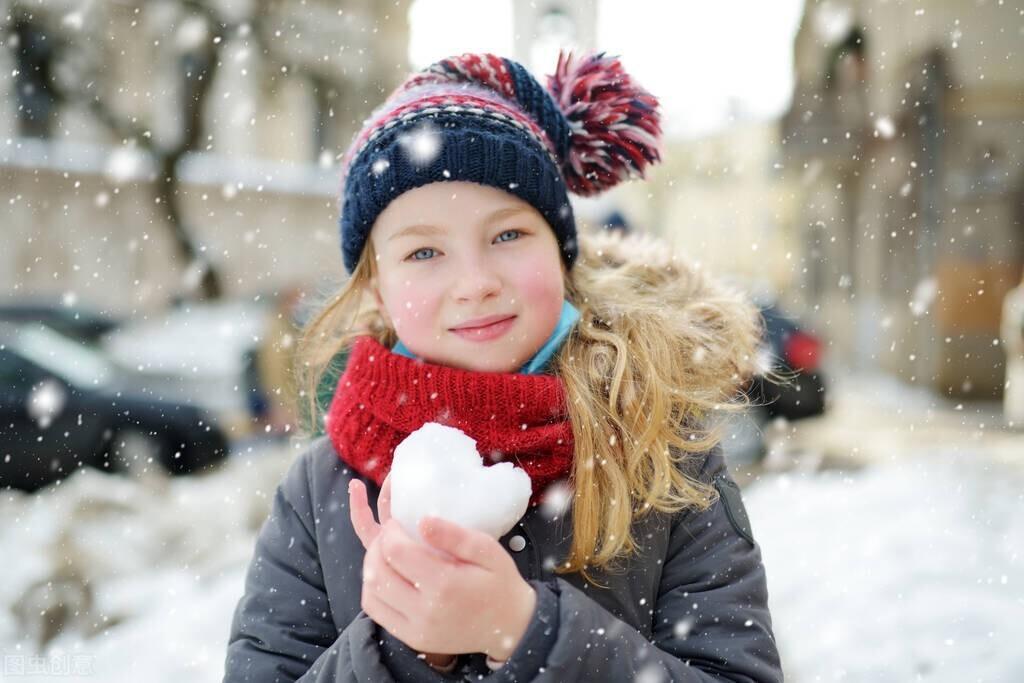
column 496, row 366
column 495, row 362
column 501, row 358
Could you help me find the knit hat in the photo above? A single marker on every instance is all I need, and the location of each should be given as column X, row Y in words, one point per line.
column 485, row 119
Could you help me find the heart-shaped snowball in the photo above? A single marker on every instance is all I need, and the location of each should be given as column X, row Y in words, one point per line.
column 437, row 471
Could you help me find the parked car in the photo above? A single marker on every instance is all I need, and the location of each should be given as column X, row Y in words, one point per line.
column 796, row 354
column 76, row 322
column 196, row 353
column 794, row 389
column 63, row 405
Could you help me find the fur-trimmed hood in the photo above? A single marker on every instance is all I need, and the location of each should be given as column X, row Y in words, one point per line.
column 713, row 324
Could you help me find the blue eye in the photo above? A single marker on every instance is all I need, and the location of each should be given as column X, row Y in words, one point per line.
column 414, row 256
column 420, row 251
column 517, row 232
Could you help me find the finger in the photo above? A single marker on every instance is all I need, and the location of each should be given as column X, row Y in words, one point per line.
column 468, row 545
column 384, row 501
column 383, row 614
column 361, row 514
column 413, row 561
column 385, row 581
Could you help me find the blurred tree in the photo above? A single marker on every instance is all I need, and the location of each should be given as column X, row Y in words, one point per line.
column 34, row 53
column 66, row 55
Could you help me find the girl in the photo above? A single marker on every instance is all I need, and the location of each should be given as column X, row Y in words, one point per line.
column 595, row 365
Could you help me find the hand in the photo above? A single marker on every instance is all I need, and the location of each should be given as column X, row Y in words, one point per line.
column 362, row 516
column 462, row 594
column 367, row 529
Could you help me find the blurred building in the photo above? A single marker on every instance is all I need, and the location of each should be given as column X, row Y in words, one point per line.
column 544, row 27
column 904, row 144
column 722, row 200
column 247, row 103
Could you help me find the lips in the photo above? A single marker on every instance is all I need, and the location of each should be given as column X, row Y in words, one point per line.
column 488, row 332
column 482, row 322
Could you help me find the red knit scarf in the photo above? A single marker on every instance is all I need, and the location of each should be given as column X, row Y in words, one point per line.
column 383, row 396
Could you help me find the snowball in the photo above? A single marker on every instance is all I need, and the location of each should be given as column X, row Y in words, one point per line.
column 437, row 471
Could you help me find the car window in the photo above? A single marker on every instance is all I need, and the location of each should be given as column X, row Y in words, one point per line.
column 65, row 358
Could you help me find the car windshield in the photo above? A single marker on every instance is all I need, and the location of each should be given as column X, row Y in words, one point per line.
column 68, row 359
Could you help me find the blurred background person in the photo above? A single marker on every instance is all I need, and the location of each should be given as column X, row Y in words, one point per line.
column 1013, row 345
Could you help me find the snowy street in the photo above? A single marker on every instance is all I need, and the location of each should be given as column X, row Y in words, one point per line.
column 893, row 538
column 892, row 554
column 450, row 234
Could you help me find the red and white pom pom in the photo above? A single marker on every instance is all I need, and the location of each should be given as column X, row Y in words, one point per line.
column 615, row 124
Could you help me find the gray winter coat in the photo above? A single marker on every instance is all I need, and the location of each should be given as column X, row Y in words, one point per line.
column 693, row 606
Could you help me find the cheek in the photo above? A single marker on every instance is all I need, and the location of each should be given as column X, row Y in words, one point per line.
column 542, row 292
column 413, row 306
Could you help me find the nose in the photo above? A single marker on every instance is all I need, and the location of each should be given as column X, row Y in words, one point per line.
column 476, row 281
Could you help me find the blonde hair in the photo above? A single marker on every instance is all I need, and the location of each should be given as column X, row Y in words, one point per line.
column 658, row 350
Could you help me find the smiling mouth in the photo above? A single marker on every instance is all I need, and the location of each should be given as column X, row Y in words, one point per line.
column 485, row 333
column 467, row 328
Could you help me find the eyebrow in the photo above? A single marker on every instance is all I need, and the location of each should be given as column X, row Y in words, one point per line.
column 426, row 229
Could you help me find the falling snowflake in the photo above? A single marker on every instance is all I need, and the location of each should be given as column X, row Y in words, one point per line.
column 924, row 295
column 884, row 127
column 124, row 164
column 74, row 20
column 832, row 21
column 682, row 628
column 422, row 145
column 556, row 500
column 651, row 673
column 192, row 33
column 45, row 401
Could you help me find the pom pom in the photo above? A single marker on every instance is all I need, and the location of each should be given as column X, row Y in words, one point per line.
column 615, row 124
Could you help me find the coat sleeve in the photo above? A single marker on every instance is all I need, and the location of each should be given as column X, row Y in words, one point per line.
column 282, row 628
column 711, row 618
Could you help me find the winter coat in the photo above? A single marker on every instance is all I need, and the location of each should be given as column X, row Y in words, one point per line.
column 692, row 605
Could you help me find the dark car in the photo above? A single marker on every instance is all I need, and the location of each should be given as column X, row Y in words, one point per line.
column 64, row 406
column 791, row 386
column 795, row 355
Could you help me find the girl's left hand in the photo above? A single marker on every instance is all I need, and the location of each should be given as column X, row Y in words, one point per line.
column 468, row 598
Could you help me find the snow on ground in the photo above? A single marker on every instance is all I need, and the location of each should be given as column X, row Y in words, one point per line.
column 907, row 570
column 874, row 418
column 143, row 576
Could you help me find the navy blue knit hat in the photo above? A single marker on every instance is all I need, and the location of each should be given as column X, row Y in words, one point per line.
column 485, row 119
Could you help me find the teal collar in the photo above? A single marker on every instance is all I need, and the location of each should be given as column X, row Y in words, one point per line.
column 539, row 362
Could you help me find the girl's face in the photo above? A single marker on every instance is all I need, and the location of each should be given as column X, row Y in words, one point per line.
column 455, row 256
